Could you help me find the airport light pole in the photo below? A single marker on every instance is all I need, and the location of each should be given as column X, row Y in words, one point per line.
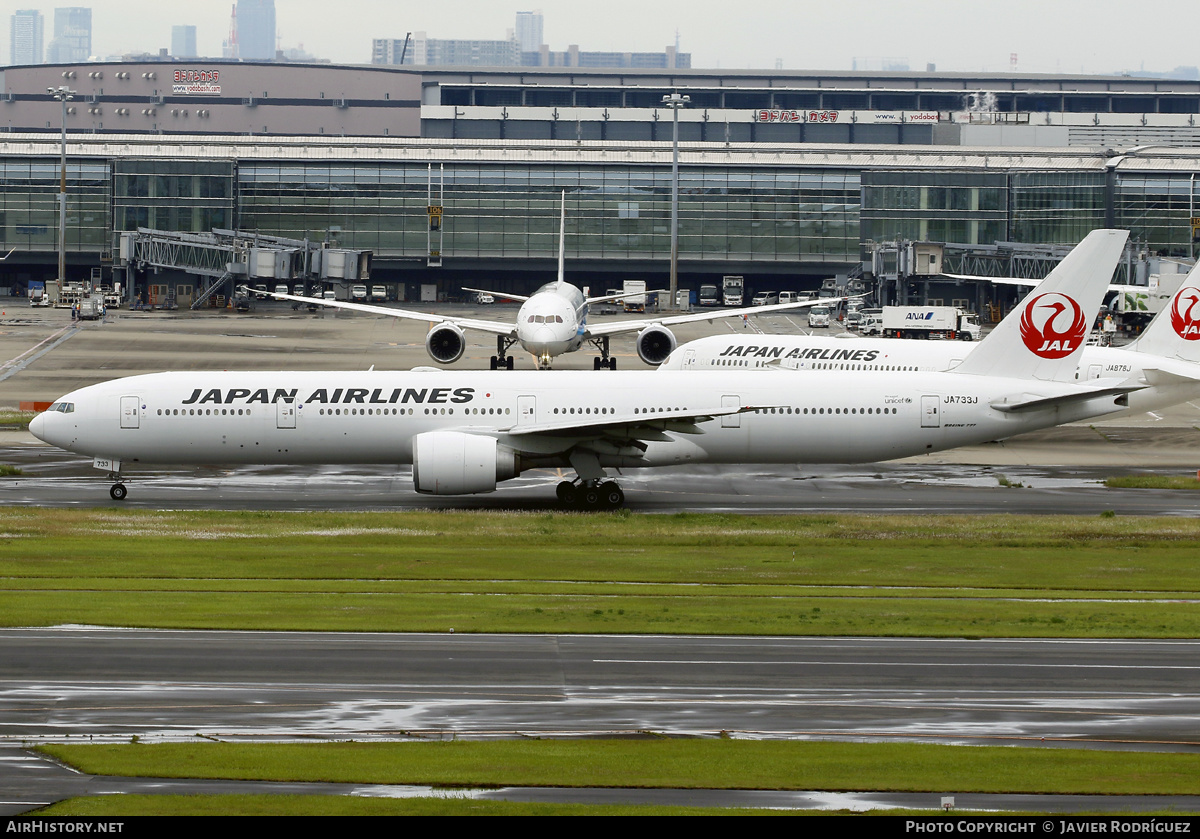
column 675, row 102
column 62, row 93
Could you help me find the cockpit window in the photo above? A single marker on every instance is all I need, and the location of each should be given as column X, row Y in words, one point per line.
column 62, row 407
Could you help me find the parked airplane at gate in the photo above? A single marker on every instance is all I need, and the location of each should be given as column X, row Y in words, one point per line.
column 551, row 322
column 1165, row 357
column 466, row 431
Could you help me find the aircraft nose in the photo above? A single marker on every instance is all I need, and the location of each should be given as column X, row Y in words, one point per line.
column 37, row 427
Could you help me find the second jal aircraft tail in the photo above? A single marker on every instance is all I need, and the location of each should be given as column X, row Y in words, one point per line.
column 1042, row 338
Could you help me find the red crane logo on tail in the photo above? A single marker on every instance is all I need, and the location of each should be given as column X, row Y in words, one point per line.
column 1053, row 326
column 1185, row 319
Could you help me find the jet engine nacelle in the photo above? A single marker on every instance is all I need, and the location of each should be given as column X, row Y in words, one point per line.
column 655, row 344
column 454, row 463
column 445, row 343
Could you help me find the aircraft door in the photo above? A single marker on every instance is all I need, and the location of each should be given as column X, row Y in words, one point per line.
column 1094, row 371
column 526, row 410
column 131, row 412
column 930, row 412
column 731, row 420
column 285, row 414
column 689, row 359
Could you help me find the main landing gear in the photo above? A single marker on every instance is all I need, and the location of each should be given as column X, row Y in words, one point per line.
column 502, row 360
column 605, row 361
column 590, row 495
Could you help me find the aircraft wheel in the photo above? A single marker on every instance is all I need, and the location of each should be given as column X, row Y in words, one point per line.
column 590, row 498
column 493, row 367
column 612, row 495
column 598, row 363
column 568, row 493
column 612, row 363
column 118, row 492
column 508, row 363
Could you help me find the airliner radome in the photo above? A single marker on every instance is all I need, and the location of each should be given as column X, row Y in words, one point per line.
column 466, row 431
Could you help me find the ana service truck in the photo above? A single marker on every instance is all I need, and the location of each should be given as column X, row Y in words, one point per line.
column 942, row 322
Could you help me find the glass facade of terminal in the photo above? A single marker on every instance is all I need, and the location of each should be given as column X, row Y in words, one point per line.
column 779, row 214
column 29, row 204
column 187, row 196
column 1158, row 209
column 504, row 211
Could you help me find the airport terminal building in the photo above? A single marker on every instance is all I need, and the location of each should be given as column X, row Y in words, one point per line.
column 782, row 177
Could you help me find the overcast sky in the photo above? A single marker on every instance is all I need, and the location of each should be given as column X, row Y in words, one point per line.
column 1048, row 36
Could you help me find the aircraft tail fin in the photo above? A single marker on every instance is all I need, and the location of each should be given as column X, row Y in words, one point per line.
column 1043, row 337
column 1175, row 331
column 562, row 239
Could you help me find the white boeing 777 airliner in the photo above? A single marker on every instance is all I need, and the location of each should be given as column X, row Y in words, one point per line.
column 463, row 432
column 1165, row 357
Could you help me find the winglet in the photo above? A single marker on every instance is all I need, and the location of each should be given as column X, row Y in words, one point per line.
column 1175, row 331
column 1044, row 336
column 562, row 237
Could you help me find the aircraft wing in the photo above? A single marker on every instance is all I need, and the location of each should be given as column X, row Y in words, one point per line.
column 495, row 327
column 498, row 294
column 608, row 297
column 617, row 327
column 651, row 425
column 1017, row 281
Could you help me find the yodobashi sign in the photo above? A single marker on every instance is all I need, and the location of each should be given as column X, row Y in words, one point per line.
column 778, row 116
column 831, row 116
column 196, row 82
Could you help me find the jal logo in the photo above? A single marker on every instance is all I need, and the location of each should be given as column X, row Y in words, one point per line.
column 1053, row 326
column 1185, row 314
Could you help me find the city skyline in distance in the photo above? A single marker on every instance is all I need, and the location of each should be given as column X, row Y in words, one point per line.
column 1046, row 38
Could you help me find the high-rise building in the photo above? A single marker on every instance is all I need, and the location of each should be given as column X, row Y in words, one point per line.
column 25, row 42
column 529, row 30
column 72, row 35
column 256, row 29
column 183, row 42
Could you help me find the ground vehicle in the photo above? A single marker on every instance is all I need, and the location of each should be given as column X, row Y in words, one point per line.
column 790, row 297
column 260, row 291
column 37, row 294
column 281, row 289
column 358, row 292
column 709, row 296
column 946, row 322
column 635, row 295
column 764, row 298
column 818, row 316
column 378, row 293
column 732, row 289
column 89, row 308
column 853, row 319
column 484, row 298
column 872, row 322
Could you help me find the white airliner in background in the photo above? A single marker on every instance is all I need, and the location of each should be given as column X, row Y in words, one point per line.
column 551, row 322
column 1165, row 357
column 465, row 431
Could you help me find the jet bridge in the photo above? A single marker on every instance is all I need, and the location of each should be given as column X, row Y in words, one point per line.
column 223, row 259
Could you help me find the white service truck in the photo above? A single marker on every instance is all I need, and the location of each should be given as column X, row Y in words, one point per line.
column 733, row 288
column 942, row 322
column 634, row 295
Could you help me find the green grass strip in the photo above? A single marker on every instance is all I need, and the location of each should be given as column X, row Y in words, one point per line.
column 993, row 576
column 661, row 763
